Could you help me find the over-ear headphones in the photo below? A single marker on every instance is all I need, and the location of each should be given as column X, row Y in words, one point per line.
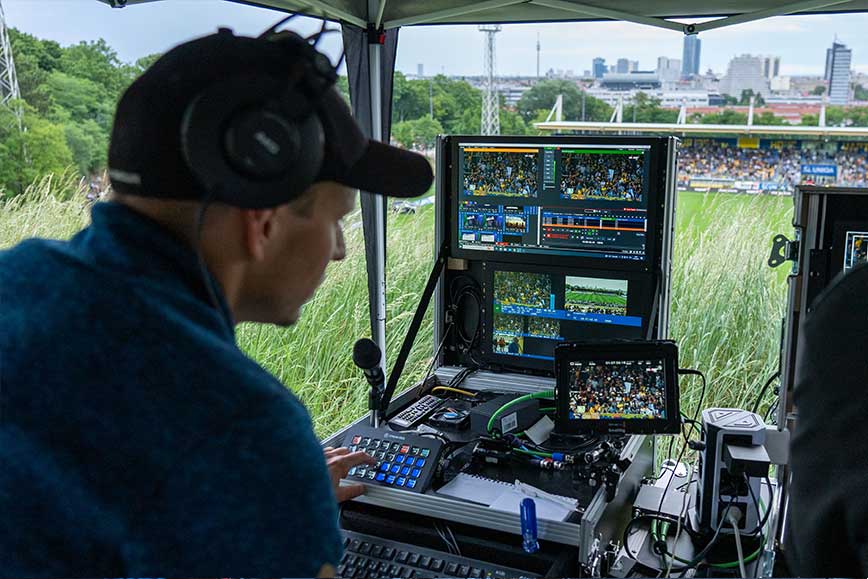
column 255, row 140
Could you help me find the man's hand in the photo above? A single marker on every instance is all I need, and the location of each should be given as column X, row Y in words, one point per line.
column 339, row 462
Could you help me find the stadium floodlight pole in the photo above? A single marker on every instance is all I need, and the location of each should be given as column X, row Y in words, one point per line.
column 9, row 90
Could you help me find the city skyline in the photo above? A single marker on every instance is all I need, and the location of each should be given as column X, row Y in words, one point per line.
column 136, row 31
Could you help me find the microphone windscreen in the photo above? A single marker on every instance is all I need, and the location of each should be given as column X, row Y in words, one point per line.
column 366, row 354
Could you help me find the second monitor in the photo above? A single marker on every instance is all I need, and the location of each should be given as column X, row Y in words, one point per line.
column 532, row 309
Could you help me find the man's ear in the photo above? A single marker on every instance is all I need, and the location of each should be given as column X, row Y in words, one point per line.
column 257, row 231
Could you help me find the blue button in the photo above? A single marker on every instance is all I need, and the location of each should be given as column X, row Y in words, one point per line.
column 352, row 471
column 400, row 482
column 399, row 459
column 411, row 483
column 381, row 476
column 410, row 460
column 405, row 471
column 425, row 452
column 395, row 469
column 420, row 463
column 384, row 466
column 390, row 480
column 417, row 472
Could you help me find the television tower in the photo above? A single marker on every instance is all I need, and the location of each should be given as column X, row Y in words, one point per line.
column 537, row 55
column 490, row 102
column 9, row 90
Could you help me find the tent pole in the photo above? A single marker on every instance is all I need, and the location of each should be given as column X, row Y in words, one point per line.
column 375, row 65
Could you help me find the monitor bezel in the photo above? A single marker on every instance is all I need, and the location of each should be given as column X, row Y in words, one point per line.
column 664, row 350
column 656, row 196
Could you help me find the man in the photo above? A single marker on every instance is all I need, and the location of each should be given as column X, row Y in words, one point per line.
column 136, row 438
column 826, row 531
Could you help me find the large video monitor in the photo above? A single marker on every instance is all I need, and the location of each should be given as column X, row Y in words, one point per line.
column 583, row 201
column 617, row 387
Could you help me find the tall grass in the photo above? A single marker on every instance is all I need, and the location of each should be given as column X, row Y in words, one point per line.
column 726, row 306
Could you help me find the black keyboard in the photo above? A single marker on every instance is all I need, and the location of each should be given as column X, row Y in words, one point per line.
column 368, row 557
column 404, row 460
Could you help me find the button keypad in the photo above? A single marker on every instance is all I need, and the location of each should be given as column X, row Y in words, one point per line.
column 405, row 463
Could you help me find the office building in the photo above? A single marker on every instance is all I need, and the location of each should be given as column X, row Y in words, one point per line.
column 838, row 59
column 771, row 67
column 690, row 56
column 599, row 67
column 668, row 69
column 744, row 72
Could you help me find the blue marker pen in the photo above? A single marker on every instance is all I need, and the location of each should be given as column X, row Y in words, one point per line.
column 528, row 526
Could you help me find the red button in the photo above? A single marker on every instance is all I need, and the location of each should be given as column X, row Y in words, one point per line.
column 357, row 439
column 405, row 449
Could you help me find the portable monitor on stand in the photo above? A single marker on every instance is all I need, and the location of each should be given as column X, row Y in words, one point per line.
column 617, row 387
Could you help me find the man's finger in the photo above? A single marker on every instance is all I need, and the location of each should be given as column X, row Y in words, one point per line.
column 347, row 461
column 348, row 492
column 328, row 449
column 338, row 451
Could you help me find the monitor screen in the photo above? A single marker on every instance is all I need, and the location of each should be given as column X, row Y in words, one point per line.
column 617, row 389
column 534, row 310
column 855, row 249
column 617, row 386
column 555, row 199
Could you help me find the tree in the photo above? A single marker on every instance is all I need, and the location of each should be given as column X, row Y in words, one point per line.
column 98, row 62
column 725, row 117
column 79, row 100
column 407, row 98
column 26, row 156
column 745, row 98
column 768, row 118
column 860, row 93
column 647, row 109
column 419, row 133
column 819, row 89
column 543, row 94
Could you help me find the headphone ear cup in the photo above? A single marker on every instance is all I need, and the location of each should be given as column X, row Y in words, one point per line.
column 248, row 151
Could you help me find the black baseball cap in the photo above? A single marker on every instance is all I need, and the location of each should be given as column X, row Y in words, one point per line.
column 145, row 153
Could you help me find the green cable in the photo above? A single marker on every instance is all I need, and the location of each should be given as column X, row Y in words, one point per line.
column 548, row 394
column 533, row 452
column 729, row 565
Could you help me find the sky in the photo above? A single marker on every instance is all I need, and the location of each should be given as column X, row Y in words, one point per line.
column 139, row 30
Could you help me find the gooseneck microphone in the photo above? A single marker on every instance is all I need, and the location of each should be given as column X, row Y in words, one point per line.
column 367, row 356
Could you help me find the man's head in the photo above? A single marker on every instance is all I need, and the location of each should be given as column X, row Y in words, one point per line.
column 254, row 129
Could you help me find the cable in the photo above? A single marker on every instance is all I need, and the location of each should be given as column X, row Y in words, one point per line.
column 547, row 394
column 765, row 517
column 207, row 279
column 533, row 452
column 456, row 390
column 437, row 353
column 454, row 540
column 682, row 513
column 763, row 390
column 691, row 372
column 738, row 547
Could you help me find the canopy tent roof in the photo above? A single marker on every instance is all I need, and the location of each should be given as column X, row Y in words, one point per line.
column 396, row 13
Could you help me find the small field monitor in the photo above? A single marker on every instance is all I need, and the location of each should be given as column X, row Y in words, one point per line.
column 617, row 387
